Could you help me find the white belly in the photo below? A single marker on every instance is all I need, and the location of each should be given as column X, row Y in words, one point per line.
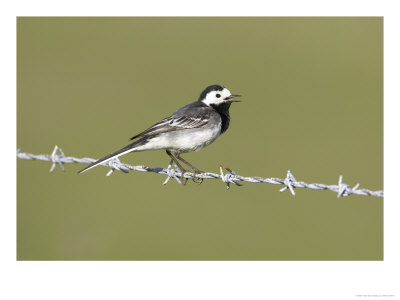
column 182, row 140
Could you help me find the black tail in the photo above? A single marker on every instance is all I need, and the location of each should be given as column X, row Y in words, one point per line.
column 118, row 153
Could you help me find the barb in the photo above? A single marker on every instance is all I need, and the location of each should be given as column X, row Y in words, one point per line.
column 290, row 182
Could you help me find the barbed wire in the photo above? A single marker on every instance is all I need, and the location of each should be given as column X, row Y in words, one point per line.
column 57, row 157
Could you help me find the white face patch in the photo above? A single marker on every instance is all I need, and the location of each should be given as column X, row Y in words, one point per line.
column 216, row 97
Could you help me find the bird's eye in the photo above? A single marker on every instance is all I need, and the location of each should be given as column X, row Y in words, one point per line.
column 218, row 95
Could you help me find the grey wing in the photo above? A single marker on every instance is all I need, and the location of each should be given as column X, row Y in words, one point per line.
column 174, row 123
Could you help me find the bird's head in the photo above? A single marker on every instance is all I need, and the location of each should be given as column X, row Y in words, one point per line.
column 217, row 95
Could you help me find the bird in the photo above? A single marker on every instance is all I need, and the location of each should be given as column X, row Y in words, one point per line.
column 188, row 129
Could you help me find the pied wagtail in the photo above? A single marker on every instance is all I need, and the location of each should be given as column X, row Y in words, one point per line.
column 190, row 128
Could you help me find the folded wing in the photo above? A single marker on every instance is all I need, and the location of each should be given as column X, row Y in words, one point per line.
column 173, row 123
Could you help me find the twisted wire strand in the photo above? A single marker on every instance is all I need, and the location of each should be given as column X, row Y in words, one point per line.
column 290, row 183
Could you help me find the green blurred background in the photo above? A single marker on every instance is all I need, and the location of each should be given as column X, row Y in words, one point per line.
column 312, row 103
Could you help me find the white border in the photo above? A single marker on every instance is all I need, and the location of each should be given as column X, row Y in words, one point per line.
column 197, row 280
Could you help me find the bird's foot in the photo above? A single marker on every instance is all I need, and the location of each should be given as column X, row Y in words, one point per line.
column 183, row 179
column 197, row 179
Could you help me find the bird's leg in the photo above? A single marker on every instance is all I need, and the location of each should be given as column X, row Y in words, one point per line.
column 183, row 179
column 193, row 167
column 196, row 171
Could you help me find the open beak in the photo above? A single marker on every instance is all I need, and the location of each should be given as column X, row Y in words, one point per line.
column 231, row 98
